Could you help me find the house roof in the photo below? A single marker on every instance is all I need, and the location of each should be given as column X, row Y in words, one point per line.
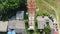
column 16, row 24
column 22, row 31
column 48, row 20
column 41, row 22
column 3, row 26
column 20, row 15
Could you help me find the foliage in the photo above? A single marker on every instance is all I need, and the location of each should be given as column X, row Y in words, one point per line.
column 8, row 8
column 42, row 14
column 47, row 29
column 6, row 4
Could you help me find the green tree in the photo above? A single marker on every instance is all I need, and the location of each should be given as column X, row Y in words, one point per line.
column 6, row 4
column 47, row 29
column 9, row 6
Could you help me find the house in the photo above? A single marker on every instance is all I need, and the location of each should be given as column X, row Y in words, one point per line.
column 41, row 22
column 20, row 15
column 18, row 26
column 18, row 23
column 49, row 21
column 21, row 31
column 3, row 26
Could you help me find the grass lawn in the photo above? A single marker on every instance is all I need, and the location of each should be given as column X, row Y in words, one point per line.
column 43, row 8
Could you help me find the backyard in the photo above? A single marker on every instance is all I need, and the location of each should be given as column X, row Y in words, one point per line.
column 49, row 7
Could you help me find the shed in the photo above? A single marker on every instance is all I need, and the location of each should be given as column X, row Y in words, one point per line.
column 17, row 25
column 49, row 20
column 20, row 15
column 21, row 31
column 41, row 22
column 3, row 26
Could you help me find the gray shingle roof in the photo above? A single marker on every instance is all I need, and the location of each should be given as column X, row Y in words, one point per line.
column 48, row 20
column 22, row 31
column 3, row 26
column 41, row 22
column 16, row 24
column 20, row 15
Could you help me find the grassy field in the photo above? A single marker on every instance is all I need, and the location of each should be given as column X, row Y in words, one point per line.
column 44, row 8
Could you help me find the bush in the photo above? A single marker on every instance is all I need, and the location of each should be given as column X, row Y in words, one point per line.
column 42, row 14
column 47, row 29
column 8, row 8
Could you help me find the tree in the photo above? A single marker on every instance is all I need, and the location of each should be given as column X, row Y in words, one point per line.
column 47, row 29
column 7, row 6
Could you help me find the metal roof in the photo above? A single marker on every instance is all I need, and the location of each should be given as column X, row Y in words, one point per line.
column 20, row 15
column 16, row 24
column 20, row 31
column 3, row 26
column 48, row 20
column 41, row 22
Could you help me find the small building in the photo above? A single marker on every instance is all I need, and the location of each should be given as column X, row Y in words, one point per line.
column 41, row 22
column 49, row 21
column 3, row 26
column 17, row 23
column 21, row 31
column 20, row 15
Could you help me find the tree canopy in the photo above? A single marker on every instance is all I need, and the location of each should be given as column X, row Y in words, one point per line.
column 47, row 28
column 7, row 6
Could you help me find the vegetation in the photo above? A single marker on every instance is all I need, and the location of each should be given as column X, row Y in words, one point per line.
column 43, row 8
column 46, row 9
column 42, row 14
column 7, row 4
column 8, row 8
column 47, row 29
column 35, row 27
